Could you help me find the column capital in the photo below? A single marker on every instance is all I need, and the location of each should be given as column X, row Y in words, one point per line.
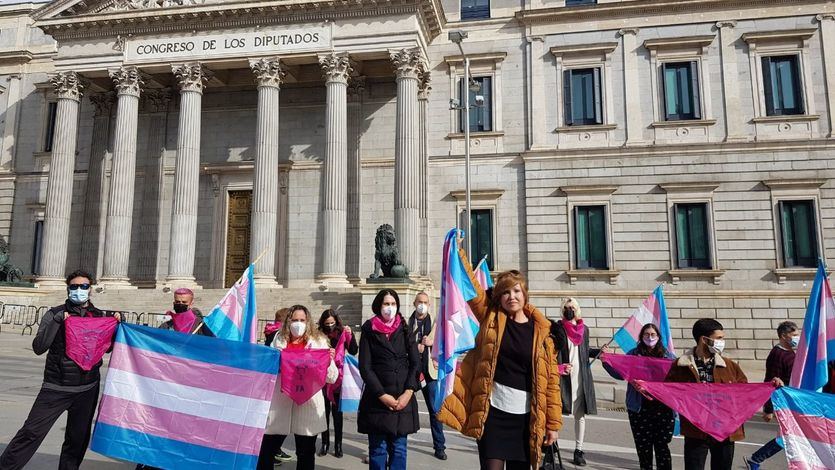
column 68, row 85
column 190, row 76
column 407, row 62
column 127, row 80
column 424, row 83
column 336, row 67
column 157, row 100
column 268, row 71
column 631, row 31
column 825, row 16
column 726, row 24
column 103, row 103
column 356, row 87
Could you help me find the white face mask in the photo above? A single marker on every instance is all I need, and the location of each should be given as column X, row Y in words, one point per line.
column 718, row 346
column 422, row 309
column 388, row 312
column 298, row 328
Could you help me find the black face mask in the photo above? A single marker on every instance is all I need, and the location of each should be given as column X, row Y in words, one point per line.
column 568, row 314
column 180, row 308
column 328, row 328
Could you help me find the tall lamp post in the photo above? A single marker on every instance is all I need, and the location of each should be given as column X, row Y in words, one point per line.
column 464, row 106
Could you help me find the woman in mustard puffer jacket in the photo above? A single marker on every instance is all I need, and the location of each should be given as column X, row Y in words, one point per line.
column 507, row 389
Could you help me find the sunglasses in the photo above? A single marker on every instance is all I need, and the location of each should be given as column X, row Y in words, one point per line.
column 78, row 286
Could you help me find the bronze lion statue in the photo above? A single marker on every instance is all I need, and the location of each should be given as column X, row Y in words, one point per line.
column 387, row 255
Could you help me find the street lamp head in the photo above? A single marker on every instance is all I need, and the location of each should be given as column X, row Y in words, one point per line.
column 457, row 36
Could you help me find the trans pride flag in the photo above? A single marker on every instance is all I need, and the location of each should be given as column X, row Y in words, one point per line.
column 807, row 423
column 482, row 273
column 184, row 401
column 652, row 310
column 352, row 385
column 235, row 317
column 817, row 339
column 457, row 327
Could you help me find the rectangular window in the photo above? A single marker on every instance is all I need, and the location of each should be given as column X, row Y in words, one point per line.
column 681, row 91
column 36, row 248
column 481, row 116
column 481, row 241
column 569, row 3
column 475, row 9
column 51, row 113
column 800, row 241
column 782, row 86
column 692, row 238
column 582, row 97
column 590, row 237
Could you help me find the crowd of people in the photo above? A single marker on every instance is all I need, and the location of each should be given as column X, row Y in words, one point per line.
column 510, row 392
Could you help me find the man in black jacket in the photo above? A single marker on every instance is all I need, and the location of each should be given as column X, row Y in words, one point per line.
column 66, row 386
column 421, row 326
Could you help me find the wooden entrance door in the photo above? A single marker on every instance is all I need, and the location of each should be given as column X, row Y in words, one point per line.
column 239, row 219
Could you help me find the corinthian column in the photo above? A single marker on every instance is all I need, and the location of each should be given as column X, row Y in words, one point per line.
column 268, row 74
column 408, row 65
column 190, row 78
column 336, row 68
column 128, row 83
column 68, row 87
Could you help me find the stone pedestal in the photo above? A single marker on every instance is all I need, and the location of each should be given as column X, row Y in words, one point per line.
column 406, row 289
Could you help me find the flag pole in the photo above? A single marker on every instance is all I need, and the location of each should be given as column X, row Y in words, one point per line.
column 258, row 258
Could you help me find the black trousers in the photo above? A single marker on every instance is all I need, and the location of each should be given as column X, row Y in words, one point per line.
column 695, row 454
column 652, row 429
column 48, row 407
column 331, row 408
column 305, row 451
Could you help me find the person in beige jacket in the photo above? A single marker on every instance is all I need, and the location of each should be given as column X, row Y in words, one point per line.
column 305, row 421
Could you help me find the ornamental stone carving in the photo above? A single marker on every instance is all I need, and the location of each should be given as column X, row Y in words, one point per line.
column 102, row 103
column 407, row 62
column 119, row 5
column 190, row 76
column 336, row 67
column 424, row 83
column 356, row 87
column 127, row 80
column 268, row 71
column 157, row 101
column 67, row 85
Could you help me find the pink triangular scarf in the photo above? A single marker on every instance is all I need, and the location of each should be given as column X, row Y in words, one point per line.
column 652, row 369
column 339, row 360
column 88, row 339
column 183, row 322
column 716, row 409
column 574, row 332
column 304, row 373
column 386, row 328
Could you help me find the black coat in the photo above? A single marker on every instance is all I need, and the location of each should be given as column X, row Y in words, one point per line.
column 59, row 368
column 387, row 366
column 561, row 342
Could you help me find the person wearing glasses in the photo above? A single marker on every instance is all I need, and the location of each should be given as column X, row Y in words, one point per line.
column 66, row 386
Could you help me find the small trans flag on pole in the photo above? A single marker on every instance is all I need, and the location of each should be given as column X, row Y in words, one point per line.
column 457, row 326
column 352, row 385
column 652, row 310
column 235, row 317
column 482, row 273
column 817, row 339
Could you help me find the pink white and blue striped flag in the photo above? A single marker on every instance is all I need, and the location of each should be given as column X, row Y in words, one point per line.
column 807, row 424
column 652, row 310
column 235, row 317
column 457, row 326
column 817, row 339
column 482, row 273
column 184, row 401
column 352, row 385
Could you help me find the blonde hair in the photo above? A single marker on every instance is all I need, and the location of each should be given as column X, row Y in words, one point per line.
column 281, row 313
column 310, row 331
column 572, row 302
column 505, row 281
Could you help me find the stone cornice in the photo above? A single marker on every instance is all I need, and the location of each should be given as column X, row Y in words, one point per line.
column 579, row 49
column 481, row 57
column 811, row 183
column 643, row 8
column 93, row 24
column 782, row 35
column 679, row 42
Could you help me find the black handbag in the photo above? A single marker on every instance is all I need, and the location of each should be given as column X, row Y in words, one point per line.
column 552, row 459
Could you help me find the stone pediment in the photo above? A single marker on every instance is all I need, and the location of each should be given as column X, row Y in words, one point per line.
column 110, row 18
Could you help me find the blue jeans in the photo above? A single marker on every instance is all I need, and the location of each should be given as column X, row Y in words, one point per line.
column 768, row 450
column 438, row 441
column 379, row 448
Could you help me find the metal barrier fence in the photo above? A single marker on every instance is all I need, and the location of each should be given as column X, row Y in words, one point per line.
column 19, row 315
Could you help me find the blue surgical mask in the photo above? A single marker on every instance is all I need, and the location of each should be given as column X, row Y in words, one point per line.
column 795, row 341
column 79, row 296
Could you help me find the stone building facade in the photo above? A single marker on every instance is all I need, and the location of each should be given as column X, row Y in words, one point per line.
column 621, row 144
